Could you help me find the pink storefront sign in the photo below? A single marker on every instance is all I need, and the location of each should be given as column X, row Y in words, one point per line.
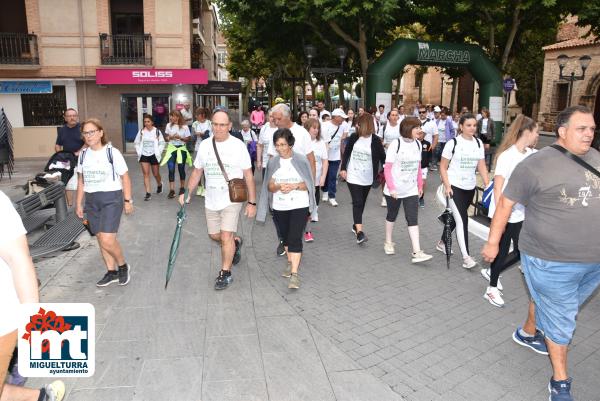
column 151, row 76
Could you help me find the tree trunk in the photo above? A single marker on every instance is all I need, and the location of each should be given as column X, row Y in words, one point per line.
column 326, row 92
column 516, row 21
column 342, row 98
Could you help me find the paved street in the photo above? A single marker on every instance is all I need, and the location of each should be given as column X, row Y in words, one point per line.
column 363, row 326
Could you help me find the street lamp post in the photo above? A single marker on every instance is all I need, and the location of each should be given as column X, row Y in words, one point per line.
column 584, row 62
column 310, row 52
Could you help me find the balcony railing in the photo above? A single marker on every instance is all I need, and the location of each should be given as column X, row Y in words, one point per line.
column 126, row 49
column 19, row 48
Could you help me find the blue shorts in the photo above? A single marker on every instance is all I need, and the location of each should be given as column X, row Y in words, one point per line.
column 558, row 290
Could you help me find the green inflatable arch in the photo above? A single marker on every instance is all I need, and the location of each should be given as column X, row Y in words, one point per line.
column 409, row 51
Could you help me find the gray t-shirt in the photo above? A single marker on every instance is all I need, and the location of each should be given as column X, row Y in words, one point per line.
column 562, row 206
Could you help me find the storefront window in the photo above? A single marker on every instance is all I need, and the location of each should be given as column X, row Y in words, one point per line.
column 43, row 109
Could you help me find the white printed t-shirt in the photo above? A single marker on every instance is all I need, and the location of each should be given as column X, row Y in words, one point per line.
column 505, row 165
column 266, row 138
column 360, row 166
column 430, row 129
column 405, row 167
column 302, row 141
column 461, row 171
column 200, row 128
column 148, row 140
column 320, row 150
column 391, row 133
column 183, row 131
column 328, row 129
column 98, row 172
column 235, row 159
column 287, row 174
column 10, row 229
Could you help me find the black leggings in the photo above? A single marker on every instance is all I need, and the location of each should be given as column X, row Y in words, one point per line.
column 460, row 202
column 291, row 225
column 359, row 195
column 504, row 260
column 317, row 194
column 180, row 166
column 411, row 209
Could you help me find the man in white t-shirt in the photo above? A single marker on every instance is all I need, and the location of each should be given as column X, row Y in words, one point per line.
column 334, row 132
column 221, row 214
column 264, row 139
column 430, row 129
column 321, row 109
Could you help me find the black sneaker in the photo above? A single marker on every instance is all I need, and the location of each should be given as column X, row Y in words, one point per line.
column 111, row 276
column 171, row 194
column 223, row 280
column 361, row 237
column 237, row 256
column 280, row 249
column 124, row 274
column 422, row 202
column 159, row 189
column 148, row 196
column 181, row 191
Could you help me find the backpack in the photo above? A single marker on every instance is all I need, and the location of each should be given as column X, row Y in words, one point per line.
column 456, row 142
column 252, row 149
column 108, row 155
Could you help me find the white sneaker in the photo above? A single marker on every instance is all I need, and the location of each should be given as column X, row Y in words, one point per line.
column 333, row 202
column 388, row 248
column 469, row 263
column 325, row 197
column 420, row 256
column 492, row 294
column 440, row 247
column 383, row 202
column 55, row 391
column 486, row 275
column 315, row 218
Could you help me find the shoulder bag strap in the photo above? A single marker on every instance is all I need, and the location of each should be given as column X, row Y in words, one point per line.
column 576, row 159
column 219, row 160
column 335, row 133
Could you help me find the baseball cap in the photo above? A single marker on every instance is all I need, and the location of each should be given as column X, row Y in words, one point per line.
column 339, row 112
column 437, row 109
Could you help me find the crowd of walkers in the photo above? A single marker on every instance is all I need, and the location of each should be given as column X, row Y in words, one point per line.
column 302, row 161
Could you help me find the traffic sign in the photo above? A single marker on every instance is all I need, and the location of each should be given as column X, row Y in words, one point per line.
column 508, row 85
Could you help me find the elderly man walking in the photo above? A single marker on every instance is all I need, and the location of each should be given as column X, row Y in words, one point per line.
column 223, row 152
column 560, row 189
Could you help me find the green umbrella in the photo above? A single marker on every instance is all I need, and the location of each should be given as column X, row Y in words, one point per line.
column 176, row 238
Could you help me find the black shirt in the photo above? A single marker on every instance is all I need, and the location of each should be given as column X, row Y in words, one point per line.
column 69, row 138
column 425, row 153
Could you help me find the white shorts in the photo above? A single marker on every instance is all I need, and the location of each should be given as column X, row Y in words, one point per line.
column 72, row 184
column 424, row 172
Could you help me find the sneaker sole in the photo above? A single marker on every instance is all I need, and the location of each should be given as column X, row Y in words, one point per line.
column 293, row 287
column 469, row 267
column 491, row 301
column 419, row 260
column 362, row 242
column 107, row 284
column 389, row 253
column 224, row 287
column 516, row 339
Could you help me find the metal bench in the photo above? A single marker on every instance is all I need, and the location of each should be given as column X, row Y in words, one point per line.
column 35, row 213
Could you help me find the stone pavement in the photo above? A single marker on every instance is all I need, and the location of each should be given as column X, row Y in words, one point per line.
column 363, row 326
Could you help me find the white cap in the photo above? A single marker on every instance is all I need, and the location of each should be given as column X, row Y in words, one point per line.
column 437, row 109
column 339, row 112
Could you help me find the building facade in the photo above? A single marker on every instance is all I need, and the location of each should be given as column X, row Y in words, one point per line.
column 111, row 59
column 572, row 42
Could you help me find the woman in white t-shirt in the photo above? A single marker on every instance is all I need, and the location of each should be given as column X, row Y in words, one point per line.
column 178, row 134
column 517, row 144
column 404, row 185
column 103, row 177
column 202, row 129
column 360, row 166
column 250, row 140
column 390, row 133
column 461, row 158
column 288, row 189
column 18, row 285
column 149, row 145
column 319, row 148
column 264, row 139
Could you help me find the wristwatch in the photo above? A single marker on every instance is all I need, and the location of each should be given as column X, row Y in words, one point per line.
column 252, row 203
column 128, row 201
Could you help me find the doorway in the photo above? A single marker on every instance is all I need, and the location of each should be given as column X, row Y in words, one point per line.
column 596, row 143
column 133, row 108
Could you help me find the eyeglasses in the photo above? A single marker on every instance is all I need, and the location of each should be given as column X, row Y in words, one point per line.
column 281, row 145
column 422, row 111
column 90, row 133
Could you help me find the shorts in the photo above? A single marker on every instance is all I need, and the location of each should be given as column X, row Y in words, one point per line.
column 558, row 289
column 72, row 184
column 224, row 219
column 149, row 159
column 424, row 172
column 103, row 211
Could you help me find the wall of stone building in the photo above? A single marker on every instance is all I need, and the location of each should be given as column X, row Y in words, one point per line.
column 584, row 91
column 432, row 88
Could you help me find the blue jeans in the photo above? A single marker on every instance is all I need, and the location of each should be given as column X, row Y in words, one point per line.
column 558, row 289
column 331, row 180
column 437, row 155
